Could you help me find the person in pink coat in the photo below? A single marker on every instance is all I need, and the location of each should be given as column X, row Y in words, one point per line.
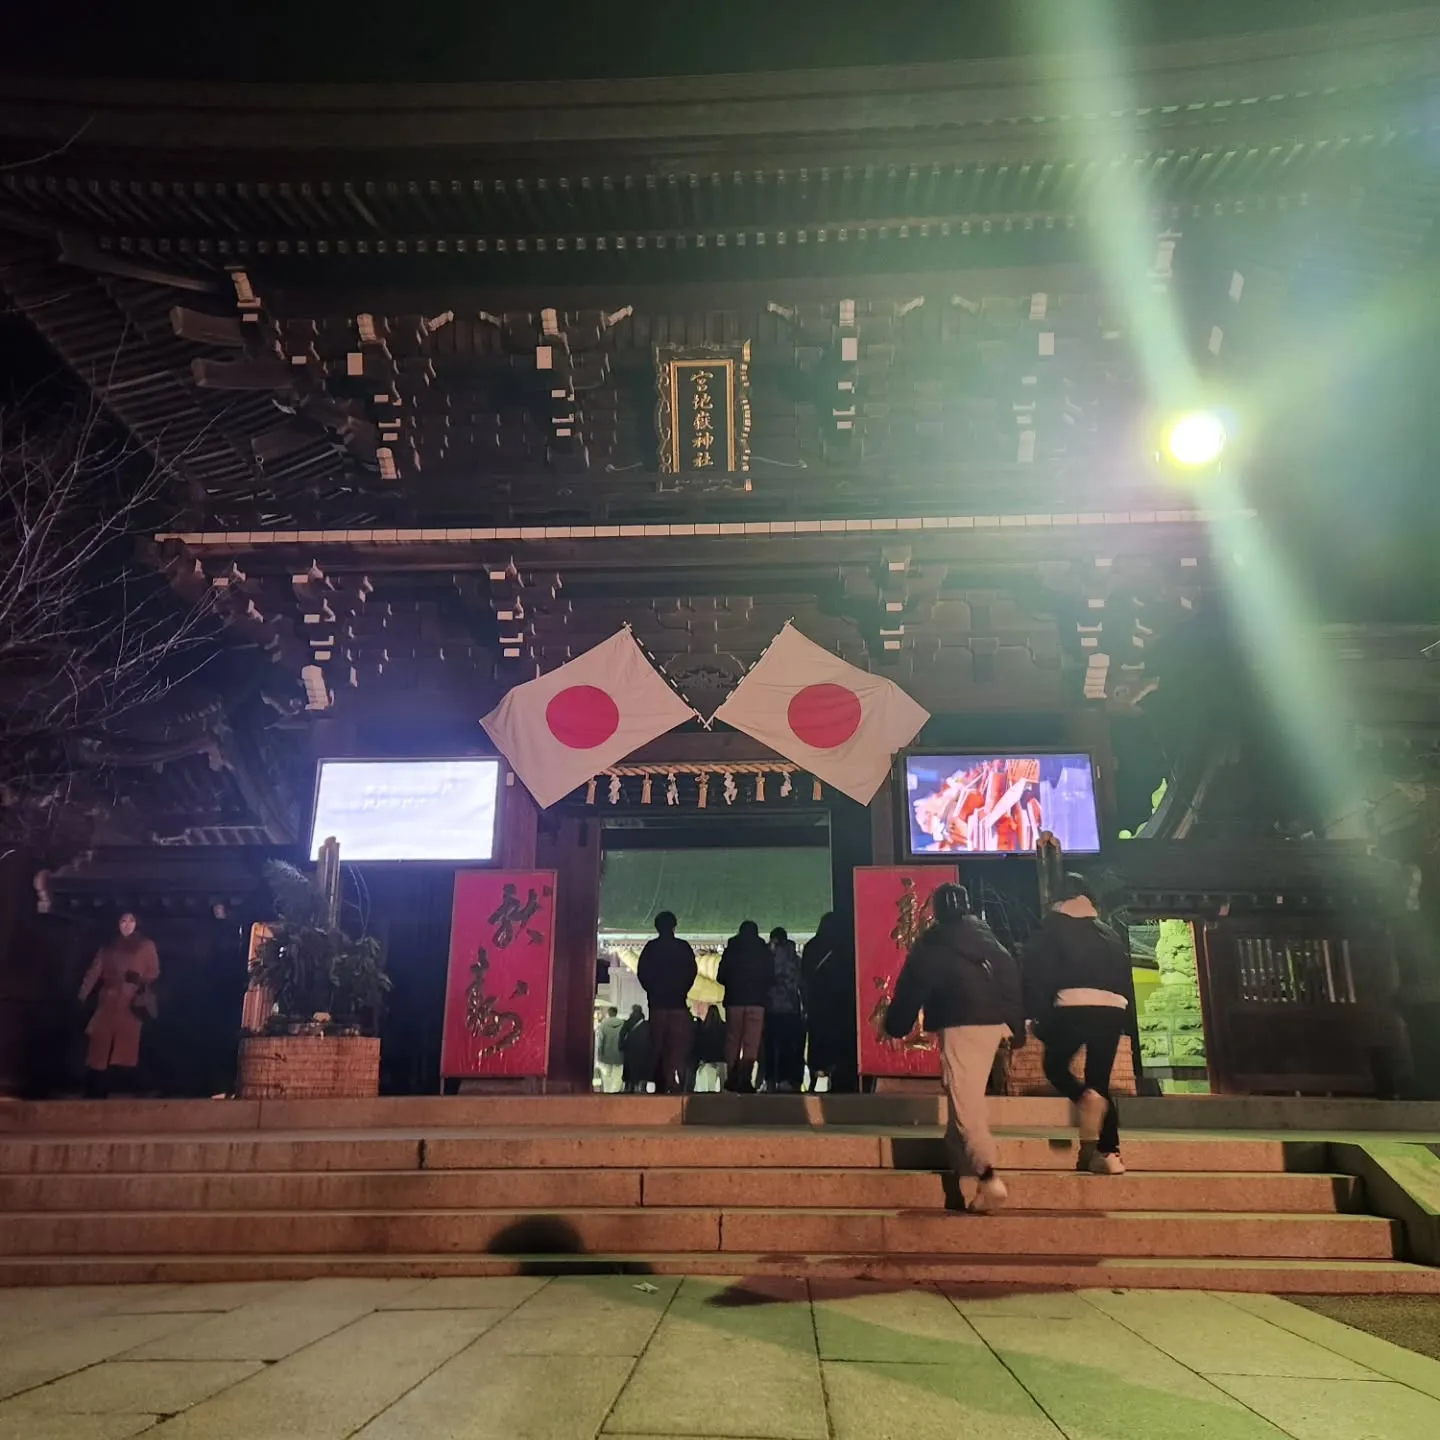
column 126, row 969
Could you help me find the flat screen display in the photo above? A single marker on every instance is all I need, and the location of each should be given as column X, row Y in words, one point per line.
column 977, row 804
column 439, row 810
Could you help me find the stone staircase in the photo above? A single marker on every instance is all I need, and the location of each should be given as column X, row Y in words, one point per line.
column 840, row 1186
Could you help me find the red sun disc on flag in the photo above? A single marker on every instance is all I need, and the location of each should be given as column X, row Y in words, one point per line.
column 582, row 717
column 824, row 716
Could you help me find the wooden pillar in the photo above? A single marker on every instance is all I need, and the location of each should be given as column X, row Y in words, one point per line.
column 882, row 826
column 17, row 900
column 851, row 844
column 42, row 958
column 519, row 823
column 570, row 846
column 1420, row 983
column 334, row 737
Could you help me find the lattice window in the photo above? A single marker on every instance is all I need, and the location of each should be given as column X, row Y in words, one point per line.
column 1281, row 971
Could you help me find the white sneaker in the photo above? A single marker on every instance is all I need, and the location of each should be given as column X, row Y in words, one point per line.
column 1107, row 1165
column 991, row 1195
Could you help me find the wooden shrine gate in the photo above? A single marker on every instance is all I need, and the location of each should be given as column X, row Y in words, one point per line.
column 1294, row 1007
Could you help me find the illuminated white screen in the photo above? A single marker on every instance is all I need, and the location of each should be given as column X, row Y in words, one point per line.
column 407, row 809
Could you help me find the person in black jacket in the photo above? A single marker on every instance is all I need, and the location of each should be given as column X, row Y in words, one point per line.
column 710, row 1050
column 1080, row 991
column 827, row 972
column 747, row 971
column 639, row 1058
column 968, row 986
column 784, row 1044
column 667, row 970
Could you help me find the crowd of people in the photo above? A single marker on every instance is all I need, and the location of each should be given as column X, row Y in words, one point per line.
column 788, row 1013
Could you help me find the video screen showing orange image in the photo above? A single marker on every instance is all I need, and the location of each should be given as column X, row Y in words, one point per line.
column 1000, row 804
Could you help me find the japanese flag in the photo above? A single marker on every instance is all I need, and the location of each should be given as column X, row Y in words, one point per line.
column 841, row 724
column 560, row 730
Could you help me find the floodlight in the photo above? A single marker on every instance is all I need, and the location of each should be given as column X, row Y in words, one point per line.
column 1195, row 440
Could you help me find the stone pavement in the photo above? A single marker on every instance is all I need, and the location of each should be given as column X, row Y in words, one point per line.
column 575, row 1358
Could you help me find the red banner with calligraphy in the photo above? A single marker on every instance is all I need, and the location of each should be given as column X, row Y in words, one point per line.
column 497, row 994
column 892, row 910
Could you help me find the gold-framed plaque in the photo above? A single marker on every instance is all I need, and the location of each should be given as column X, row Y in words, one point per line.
column 702, row 415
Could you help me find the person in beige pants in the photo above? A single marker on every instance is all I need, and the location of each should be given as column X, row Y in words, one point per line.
column 967, row 1055
column 967, row 986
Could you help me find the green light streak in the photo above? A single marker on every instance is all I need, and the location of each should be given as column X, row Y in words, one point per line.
column 1275, row 620
column 1095, row 97
column 1278, row 633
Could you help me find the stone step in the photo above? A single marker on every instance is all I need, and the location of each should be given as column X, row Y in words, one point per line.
column 1149, row 1151
column 637, row 1231
column 161, row 1154
column 970, row 1275
column 701, row 1147
column 1170, row 1112
column 707, row 1147
column 746, row 1149
column 411, row 1112
column 1063, row 1190
column 750, row 1149
column 556, row 1189
column 326, row 1190
column 1135, row 1235
column 418, row 1112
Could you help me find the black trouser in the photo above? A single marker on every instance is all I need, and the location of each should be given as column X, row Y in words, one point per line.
column 1099, row 1029
column 113, row 1080
column 830, row 1035
column 784, row 1050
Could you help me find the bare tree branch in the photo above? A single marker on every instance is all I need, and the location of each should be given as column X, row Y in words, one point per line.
column 89, row 635
column 53, row 153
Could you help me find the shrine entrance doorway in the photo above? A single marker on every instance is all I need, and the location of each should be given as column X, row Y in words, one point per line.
column 713, row 870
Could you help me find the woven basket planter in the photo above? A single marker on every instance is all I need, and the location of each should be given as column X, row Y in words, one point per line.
column 309, row 1067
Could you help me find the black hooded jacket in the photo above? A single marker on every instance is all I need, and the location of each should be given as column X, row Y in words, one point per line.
column 957, row 974
column 1074, row 952
column 747, row 970
column 667, row 970
column 827, row 970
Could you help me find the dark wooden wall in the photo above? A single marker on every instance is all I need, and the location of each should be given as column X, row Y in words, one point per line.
column 190, row 1048
column 410, row 911
column 570, row 845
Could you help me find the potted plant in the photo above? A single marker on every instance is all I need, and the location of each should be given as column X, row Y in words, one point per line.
column 327, row 990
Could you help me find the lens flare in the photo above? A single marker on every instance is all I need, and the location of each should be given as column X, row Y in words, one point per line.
column 1195, row 440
